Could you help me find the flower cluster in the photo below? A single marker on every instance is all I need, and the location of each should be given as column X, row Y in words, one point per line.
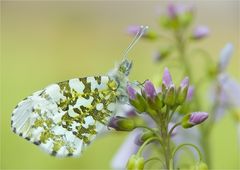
column 160, row 104
column 168, row 101
column 177, row 18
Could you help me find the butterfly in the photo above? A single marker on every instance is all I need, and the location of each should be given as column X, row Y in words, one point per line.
column 65, row 117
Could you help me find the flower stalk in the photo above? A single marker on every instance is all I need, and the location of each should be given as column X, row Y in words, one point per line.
column 161, row 107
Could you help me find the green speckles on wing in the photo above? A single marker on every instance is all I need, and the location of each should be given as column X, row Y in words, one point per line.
column 85, row 133
column 45, row 135
column 67, row 116
column 57, row 145
column 87, row 85
column 98, row 79
column 96, row 90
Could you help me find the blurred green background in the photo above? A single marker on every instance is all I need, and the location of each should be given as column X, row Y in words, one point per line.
column 47, row 42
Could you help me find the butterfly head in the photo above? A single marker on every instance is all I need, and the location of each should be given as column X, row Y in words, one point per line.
column 125, row 67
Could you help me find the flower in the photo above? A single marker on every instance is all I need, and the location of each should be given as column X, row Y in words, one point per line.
column 190, row 93
column 121, row 123
column 230, row 91
column 200, row 32
column 193, row 119
column 149, row 89
column 198, row 117
column 131, row 113
column 184, row 83
column 131, row 92
column 167, row 78
column 225, row 56
column 133, row 29
column 201, row 166
column 170, row 96
column 135, row 162
column 174, row 10
column 182, row 91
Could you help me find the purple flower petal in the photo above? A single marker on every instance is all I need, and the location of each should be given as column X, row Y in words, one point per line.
column 131, row 113
column 131, row 92
column 133, row 29
column 225, row 56
column 190, row 93
column 167, row 78
column 198, row 117
column 149, row 89
column 230, row 91
column 174, row 10
column 200, row 32
column 185, row 82
column 113, row 122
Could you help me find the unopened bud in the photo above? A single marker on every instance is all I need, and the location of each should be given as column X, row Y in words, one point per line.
column 121, row 123
column 131, row 92
column 167, row 78
column 135, row 162
column 193, row 119
column 200, row 32
column 141, row 138
column 200, row 166
column 170, row 96
column 182, row 91
column 149, row 90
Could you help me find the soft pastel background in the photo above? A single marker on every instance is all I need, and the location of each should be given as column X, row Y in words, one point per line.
column 47, row 42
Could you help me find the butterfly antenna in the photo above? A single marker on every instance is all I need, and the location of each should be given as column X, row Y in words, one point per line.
column 139, row 34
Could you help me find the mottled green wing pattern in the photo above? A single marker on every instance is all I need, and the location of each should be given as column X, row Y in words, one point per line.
column 64, row 118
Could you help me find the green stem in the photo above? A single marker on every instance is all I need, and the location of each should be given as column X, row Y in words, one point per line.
column 140, row 150
column 150, row 129
column 171, row 130
column 166, row 139
column 152, row 159
column 182, row 145
column 172, row 113
column 181, row 47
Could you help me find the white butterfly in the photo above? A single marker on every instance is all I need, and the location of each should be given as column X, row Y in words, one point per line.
column 64, row 118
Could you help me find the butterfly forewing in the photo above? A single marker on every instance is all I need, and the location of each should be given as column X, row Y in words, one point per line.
column 65, row 117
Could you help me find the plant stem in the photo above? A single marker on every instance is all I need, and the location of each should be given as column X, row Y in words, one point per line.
column 205, row 143
column 181, row 48
column 182, row 145
column 166, row 141
column 140, row 150
column 171, row 130
column 152, row 159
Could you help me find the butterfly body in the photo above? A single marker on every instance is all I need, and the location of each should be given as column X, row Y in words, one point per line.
column 64, row 118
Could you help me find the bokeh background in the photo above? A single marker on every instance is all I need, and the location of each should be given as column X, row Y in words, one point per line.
column 47, row 42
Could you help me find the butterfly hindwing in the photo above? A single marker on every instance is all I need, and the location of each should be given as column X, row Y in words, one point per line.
column 65, row 117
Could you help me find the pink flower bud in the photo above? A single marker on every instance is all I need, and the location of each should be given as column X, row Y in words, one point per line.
column 131, row 92
column 200, row 32
column 149, row 89
column 198, row 117
column 167, row 78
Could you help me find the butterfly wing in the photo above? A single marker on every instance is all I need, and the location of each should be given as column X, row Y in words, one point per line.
column 64, row 118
